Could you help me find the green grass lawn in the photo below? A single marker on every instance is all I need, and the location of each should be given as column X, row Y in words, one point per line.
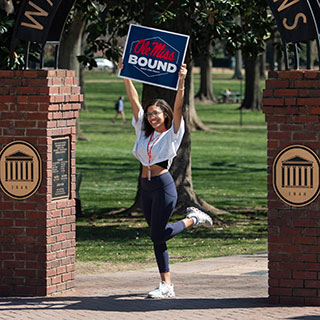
column 228, row 171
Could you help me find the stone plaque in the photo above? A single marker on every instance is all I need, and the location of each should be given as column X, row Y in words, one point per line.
column 20, row 170
column 60, row 168
column 295, row 175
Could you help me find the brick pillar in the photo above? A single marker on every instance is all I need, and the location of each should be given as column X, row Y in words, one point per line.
column 37, row 234
column 292, row 108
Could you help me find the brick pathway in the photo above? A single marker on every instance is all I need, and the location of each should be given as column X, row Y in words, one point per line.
column 219, row 288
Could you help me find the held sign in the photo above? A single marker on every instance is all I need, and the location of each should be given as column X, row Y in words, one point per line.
column 153, row 56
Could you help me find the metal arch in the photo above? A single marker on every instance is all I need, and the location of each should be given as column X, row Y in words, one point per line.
column 311, row 31
column 51, row 33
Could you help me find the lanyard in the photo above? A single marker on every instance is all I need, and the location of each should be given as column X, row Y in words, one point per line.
column 149, row 151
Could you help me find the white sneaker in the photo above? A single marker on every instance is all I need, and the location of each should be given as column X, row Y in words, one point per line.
column 202, row 218
column 163, row 291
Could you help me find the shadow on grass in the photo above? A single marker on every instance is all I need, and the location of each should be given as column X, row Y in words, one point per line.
column 115, row 129
column 109, row 233
column 123, row 233
column 106, row 164
column 113, row 170
column 229, row 166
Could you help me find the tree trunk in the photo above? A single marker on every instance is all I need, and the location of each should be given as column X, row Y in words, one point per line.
column 314, row 53
column 279, row 51
column 195, row 122
column 84, row 105
column 273, row 50
column 82, row 88
column 238, row 66
column 205, row 94
column 252, row 99
column 70, row 48
column 311, row 54
column 262, row 64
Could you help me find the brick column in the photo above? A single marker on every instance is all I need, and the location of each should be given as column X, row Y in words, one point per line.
column 37, row 234
column 292, row 108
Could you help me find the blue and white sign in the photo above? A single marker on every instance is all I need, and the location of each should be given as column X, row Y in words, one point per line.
column 154, row 56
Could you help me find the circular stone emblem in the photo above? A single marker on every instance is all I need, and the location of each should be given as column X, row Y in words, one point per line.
column 295, row 175
column 20, row 170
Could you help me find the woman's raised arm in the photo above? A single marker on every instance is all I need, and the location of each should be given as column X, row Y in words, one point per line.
column 131, row 93
column 178, row 103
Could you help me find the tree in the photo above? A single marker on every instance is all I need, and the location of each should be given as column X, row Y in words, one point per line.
column 71, row 48
column 205, row 93
column 111, row 20
column 311, row 53
column 238, row 58
column 254, row 28
column 6, row 26
column 237, row 65
column 218, row 23
column 195, row 122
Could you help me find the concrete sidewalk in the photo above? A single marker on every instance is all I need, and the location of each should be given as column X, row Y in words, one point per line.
column 219, row 288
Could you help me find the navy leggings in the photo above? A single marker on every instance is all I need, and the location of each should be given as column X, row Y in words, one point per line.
column 158, row 199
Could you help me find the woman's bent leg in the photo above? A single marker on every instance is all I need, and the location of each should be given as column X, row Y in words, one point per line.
column 163, row 205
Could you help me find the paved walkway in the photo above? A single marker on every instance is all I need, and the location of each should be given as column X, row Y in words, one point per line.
column 220, row 288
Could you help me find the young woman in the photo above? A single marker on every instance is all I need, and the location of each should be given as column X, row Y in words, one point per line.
column 159, row 133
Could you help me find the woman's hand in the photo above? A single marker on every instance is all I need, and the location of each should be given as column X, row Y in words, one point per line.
column 183, row 71
column 120, row 64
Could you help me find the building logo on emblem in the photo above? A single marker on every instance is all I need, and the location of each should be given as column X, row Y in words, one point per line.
column 20, row 170
column 295, row 175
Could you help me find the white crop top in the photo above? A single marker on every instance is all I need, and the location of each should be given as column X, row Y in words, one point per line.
column 164, row 145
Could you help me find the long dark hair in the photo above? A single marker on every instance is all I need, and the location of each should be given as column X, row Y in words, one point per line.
column 166, row 109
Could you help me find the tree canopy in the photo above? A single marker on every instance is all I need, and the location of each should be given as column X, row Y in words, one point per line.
column 204, row 21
